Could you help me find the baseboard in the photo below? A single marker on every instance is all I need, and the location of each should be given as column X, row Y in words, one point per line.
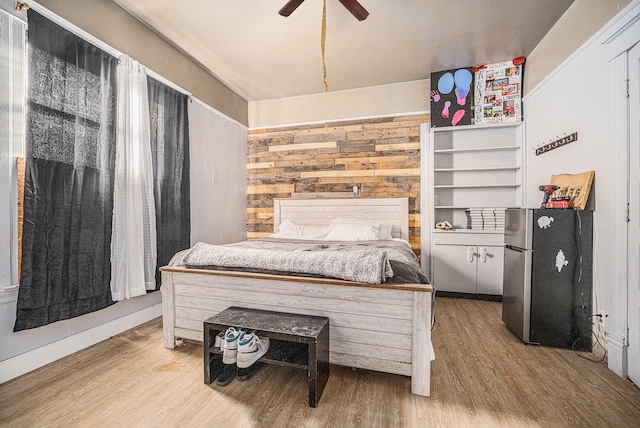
column 617, row 347
column 29, row 361
column 473, row 296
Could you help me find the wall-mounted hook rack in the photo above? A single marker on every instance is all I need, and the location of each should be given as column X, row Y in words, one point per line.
column 557, row 143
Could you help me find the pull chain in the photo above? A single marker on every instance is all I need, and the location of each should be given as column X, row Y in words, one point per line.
column 322, row 42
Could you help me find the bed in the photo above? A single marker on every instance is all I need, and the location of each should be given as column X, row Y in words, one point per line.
column 384, row 327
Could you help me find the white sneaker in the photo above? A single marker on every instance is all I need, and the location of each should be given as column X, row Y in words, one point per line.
column 230, row 345
column 250, row 349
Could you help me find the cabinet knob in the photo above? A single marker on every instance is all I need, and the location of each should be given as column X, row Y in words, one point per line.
column 483, row 254
column 470, row 254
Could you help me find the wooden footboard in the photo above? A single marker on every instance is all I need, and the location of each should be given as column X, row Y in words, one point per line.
column 384, row 327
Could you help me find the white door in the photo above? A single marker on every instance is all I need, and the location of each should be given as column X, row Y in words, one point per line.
column 634, row 214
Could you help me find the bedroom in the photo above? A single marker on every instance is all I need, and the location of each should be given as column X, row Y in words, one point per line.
column 37, row 348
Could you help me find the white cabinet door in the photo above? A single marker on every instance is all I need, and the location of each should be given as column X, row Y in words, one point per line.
column 455, row 268
column 490, row 270
column 468, row 269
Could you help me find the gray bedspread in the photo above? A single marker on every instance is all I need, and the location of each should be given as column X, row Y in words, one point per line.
column 371, row 262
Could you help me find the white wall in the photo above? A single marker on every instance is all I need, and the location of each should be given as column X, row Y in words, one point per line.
column 583, row 95
column 218, row 152
column 583, row 19
column 384, row 100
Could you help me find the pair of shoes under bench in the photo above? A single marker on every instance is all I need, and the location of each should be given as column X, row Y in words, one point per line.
column 243, row 348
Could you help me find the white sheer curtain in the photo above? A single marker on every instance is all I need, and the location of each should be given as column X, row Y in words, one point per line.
column 133, row 244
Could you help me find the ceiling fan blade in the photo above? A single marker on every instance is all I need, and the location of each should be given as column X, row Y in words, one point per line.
column 288, row 8
column 356, row 9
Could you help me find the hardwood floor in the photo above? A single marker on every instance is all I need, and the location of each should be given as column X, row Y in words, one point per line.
column 482, row 376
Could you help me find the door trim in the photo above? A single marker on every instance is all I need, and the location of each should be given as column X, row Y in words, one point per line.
column 615, row 37
column 617, row 343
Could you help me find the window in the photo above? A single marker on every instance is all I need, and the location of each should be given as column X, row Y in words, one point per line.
column 12, row 72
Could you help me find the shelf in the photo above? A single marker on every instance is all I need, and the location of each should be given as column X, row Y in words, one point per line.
column 461, row 230
column 288, row 354
column 473, row 186
column 477, row 149
column 469, row 237
column 477, row 127
column 463, row 207
column 487, row 168
column 476, row 166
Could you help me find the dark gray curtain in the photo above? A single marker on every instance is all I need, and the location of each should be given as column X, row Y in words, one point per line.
column 170, row 151
column 69, row 177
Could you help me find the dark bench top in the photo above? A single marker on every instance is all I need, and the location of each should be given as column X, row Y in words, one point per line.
column 270, row 321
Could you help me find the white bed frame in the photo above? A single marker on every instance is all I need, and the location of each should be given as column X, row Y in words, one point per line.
column 382, row 327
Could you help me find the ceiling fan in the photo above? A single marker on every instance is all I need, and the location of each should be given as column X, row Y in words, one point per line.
column 352, row 6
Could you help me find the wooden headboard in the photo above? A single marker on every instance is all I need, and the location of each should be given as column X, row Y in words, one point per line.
column 320, row 212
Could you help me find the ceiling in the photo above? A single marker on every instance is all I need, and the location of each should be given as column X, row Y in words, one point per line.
column 262, row 55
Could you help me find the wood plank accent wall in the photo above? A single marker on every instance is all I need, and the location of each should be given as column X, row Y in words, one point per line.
column 381, row 156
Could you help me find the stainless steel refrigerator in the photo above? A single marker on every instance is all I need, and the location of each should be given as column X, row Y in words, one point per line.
column 548, row 276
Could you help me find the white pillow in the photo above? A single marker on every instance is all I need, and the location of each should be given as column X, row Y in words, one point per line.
column 291, row 230
column 384, row 229
column 313, row 232
column 352, row 232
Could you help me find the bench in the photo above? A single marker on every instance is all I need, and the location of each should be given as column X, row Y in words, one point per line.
column 300, row 341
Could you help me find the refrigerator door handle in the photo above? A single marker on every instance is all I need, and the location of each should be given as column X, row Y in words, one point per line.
column 470, row 253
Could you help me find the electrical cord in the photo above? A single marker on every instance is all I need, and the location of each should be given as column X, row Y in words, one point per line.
column 588, row 337
column 578, row 242
column 588, row 332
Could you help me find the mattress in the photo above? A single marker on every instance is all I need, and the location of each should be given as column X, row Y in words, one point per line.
column 361, row 261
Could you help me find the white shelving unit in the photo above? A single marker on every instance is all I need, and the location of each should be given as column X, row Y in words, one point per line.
column 475, row 166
